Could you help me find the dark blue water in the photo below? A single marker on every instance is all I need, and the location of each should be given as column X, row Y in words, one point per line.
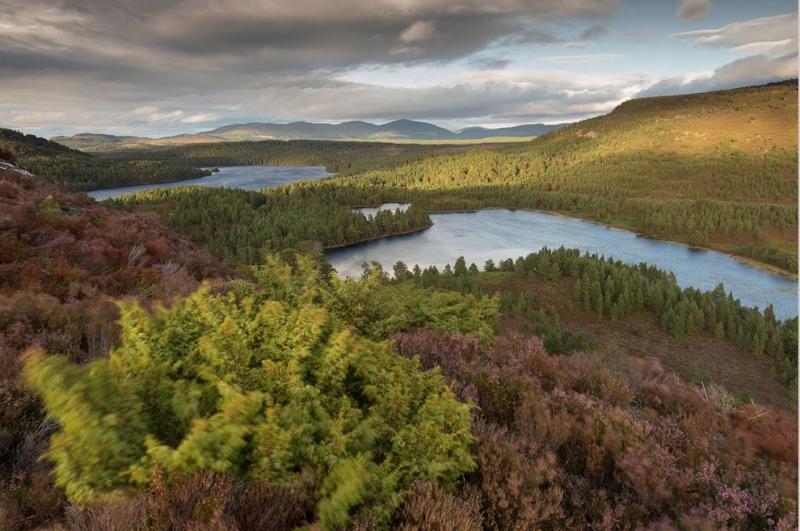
column 243, row 177
column 501, row 234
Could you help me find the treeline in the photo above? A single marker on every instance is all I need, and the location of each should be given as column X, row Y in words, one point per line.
column 616, row 290
column 760, row 231
column 744, row 209
column 241, row 226
column 336, row 156
column 78, row 171
column 85, row 174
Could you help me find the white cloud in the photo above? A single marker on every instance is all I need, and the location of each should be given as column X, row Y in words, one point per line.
column 774, row 35
column 770, row 46
column 690, row 10
column 421, row 30
column 753, row 70
column 155, row 114
column 201, row 118
column 145, row 110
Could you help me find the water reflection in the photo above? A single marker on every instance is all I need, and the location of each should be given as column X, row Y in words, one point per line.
column 500, row 234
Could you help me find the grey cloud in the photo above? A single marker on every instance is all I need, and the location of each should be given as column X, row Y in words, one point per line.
column 777, row 32
column 690, row 10
column 511, row 100
column 314, row 97
column 282, row 35
column 594, row 32
column 488, row 63
column 96, row 60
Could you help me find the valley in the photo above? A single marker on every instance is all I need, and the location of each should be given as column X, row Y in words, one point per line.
column 341, row 334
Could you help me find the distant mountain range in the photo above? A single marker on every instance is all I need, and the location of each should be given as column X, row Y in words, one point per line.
column 398, row 130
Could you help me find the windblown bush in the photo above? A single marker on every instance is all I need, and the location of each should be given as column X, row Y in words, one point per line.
column 274, row 389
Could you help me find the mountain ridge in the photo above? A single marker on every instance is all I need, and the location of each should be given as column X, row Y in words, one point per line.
column 402, row 129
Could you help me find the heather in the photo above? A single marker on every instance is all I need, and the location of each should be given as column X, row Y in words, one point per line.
column 563, row 443
column 63, row 258
column 616, row 291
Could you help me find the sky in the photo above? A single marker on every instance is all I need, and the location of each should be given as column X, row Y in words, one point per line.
column 163, row 67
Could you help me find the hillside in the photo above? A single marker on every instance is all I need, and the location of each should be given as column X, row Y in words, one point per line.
column 63, row 261
column 342, row 157
column 397, row 130
column 713, row 170
column 287, row 398
column 79, row 171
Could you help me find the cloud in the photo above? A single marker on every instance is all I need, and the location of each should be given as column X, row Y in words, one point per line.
column 155, row 114
column 691, row 10
column 488, row 63
column 592, row 33
column 90, row 35
column 491, row 96
column 196, row 58
column 777, row 34
column 754, row 70
column 770, row 46
column 201, row 118
column 421, row 30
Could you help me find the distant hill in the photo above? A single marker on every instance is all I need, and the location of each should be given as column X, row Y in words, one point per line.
column 517, row 130
column 405, row 130
column 79, row 171
column 31, row 145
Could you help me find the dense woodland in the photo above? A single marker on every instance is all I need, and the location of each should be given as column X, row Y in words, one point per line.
column 241, row 226
column 78, row 171
column 337, row 157
column 187, row 358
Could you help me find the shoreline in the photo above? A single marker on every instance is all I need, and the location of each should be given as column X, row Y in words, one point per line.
column 750, row 262
column 373, row 238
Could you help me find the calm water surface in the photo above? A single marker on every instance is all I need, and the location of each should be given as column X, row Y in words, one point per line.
column 242, row 177
column 501, row 234
column 371, row 211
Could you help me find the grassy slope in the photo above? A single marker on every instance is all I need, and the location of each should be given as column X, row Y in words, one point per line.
column 715, row 169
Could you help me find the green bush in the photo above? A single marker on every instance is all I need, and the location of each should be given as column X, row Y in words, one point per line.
column 263, row 382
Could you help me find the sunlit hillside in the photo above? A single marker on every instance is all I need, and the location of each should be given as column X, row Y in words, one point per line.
column 715, row 170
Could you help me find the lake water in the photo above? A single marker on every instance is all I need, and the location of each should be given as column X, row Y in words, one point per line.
column 501, row 234
column 242, row 177
column 371, row 211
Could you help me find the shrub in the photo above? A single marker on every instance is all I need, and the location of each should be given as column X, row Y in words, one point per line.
column 431, row 508
column 7, row 155
column 246, row 386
